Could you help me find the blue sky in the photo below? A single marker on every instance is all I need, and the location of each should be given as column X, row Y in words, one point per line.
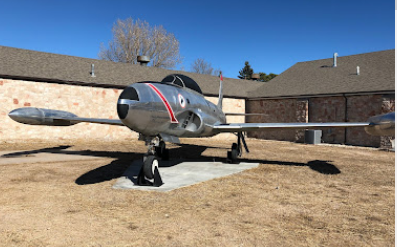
column 271, row 35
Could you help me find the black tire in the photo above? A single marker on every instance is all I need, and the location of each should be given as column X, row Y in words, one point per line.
column 148, row 166
column 233, row 154
column 235, row 147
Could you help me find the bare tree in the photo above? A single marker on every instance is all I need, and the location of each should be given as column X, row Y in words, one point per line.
column 200, row 66
column 137, row 38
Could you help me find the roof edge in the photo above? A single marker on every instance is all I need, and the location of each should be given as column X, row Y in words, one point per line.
column 57, row 81
column 90, row 84
column 325, row 95
column 352, row 55
column 172, row 71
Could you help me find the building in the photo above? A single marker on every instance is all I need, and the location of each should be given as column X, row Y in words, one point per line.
column 314, row 91
column 352, row 90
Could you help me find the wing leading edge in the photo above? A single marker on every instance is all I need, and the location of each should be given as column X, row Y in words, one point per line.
column 238, row 127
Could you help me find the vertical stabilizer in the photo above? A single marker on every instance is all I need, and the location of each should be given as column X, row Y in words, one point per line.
column 220, row 91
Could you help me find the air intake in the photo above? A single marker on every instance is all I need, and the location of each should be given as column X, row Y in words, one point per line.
column 128, row 94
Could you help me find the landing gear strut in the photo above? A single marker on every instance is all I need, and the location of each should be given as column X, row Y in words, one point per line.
column 161, row 151
column 149, row 174
column 236, row 152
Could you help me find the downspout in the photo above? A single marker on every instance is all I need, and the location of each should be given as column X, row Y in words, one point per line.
column 345, row 138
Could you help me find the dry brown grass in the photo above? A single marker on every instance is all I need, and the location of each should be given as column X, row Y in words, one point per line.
column 300, row 195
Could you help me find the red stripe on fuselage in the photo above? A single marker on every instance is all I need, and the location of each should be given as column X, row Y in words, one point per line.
column 167, row 105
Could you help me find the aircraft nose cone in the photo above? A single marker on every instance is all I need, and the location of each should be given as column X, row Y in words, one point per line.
column 28, row 115
column 15, row 114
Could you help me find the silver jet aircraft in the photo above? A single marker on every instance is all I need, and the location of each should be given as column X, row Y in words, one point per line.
column 175, row 107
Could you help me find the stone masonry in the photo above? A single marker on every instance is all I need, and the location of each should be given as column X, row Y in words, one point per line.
column 364, row 107
column 329, row 109
column 278, row 111
column 323, row 109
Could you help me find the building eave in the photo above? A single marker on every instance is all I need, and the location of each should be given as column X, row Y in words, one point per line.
column 384, row 92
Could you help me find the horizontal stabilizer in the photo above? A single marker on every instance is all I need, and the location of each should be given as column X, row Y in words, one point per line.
column 40, row 116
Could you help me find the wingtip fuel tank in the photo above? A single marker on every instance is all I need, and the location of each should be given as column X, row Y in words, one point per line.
column 39, row 116
column 381, row 125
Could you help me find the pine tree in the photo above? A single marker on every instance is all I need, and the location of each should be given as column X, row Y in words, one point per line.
column 264, row 77
column 246, row 72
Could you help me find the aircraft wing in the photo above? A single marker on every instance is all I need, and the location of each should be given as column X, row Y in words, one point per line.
column 239, row 127
column 75, row 120
column 381, row 125
column 39, row 116
column 245, row 114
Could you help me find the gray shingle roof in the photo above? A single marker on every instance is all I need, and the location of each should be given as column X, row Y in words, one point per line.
column 42, row 66
column 320, row 78
column 303, row 79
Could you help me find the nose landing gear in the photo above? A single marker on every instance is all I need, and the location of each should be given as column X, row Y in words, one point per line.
column 149, row 174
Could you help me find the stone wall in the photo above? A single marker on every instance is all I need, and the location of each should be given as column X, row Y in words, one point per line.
column 84, row 101
column 388, row 105
column 232, row 106
column 323, row 109
column 329, row 109
column 360, row 108
column 278, row 111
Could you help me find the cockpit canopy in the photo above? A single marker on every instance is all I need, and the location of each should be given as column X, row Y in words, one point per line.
column 182, row 81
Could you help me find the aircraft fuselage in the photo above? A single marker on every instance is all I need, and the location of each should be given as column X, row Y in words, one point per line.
column 152, row 108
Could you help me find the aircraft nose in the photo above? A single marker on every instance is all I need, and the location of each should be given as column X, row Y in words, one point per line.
column 127, row 97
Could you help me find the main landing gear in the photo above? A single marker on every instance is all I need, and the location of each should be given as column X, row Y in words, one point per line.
column 236, row 152
column 149, row 174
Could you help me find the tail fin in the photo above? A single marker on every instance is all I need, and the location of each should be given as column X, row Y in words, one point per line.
column 220, row 91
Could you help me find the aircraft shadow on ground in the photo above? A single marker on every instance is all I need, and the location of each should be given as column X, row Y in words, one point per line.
column 184, row 152
column 32, row 152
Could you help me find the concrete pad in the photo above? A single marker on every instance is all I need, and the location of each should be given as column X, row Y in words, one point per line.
column 177, row 174
column 26, row 156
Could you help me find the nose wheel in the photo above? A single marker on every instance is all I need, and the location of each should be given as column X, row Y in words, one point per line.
column 149, row 174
